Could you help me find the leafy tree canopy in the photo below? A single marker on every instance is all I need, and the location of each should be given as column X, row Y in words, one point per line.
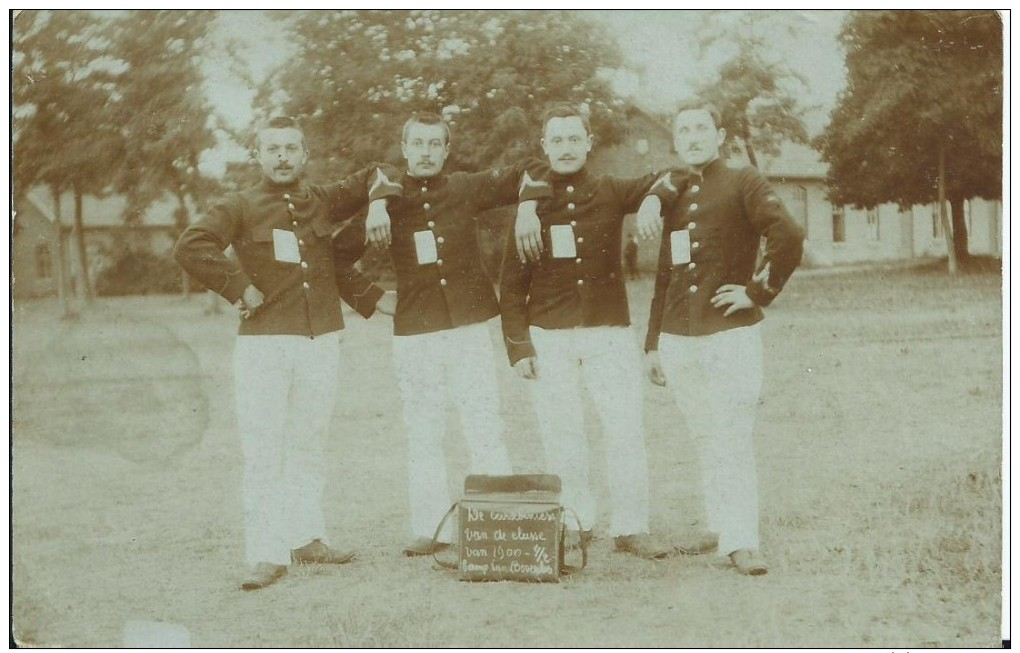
column 918, row 82
column 359, row 74
column 755, row 90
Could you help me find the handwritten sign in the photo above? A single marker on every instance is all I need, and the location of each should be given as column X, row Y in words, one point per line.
column 507, row 540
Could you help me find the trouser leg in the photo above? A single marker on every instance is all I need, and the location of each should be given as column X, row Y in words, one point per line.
column 716, row 381
column 262, row 380
column 613, row 373
column 475, row 392
column 557, row 399
column 423, row 393
column 312, row 400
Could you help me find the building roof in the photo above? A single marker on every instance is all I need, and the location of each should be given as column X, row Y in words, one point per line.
column 100, row 211
column 794, row 160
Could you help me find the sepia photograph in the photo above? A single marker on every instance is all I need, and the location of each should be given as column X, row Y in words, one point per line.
column 451, row 328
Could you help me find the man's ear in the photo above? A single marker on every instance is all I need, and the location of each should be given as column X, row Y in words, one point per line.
column 721, row 136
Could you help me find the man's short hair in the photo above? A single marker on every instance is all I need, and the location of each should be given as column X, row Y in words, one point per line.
column 700, row 105
column 278, row 122
column 565, row 110
column 425, row 118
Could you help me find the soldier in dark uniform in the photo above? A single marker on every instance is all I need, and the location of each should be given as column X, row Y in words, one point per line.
column 566, row 321
column 445, row 300
column 286, row 358
column 630, row 256
column 705, row 315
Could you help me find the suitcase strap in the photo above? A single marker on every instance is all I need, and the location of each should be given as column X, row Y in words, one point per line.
column 435, row 538
column 573, row 569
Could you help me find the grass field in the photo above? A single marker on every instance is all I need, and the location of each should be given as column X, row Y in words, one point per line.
column 879, row 442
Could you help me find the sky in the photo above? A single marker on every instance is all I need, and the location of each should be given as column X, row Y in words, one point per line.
column 660, row 47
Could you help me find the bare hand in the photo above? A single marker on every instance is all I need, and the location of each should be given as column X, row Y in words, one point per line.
column 250, row 301
column 734, row 297
column 653, row 367
column 528, row 231
column 527, row 368
column 377, row 224
column 387, row 304
column 649, row 217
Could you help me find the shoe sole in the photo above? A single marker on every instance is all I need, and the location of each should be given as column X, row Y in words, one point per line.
column 322, row 561
column 695, row 551
column 249, row 586
column 661, row 555
column 418, row 553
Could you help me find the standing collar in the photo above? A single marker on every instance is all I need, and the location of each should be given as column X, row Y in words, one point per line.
column 712, row 168
column 435, row 181
column 573, row 178
column 270, row 186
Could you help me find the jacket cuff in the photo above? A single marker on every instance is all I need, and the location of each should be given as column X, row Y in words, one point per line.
column 533, row 190
column 233, row 287
column 664, row 188
column 759, row 294
column 382, row 186
column 519, row 350
column 364, row 304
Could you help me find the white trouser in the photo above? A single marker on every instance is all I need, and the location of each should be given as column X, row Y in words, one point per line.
column 716, row 381
column 608, row 361
column 457, row 364
column 285, row 389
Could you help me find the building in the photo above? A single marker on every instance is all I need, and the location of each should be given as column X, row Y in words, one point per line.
column 35, row 245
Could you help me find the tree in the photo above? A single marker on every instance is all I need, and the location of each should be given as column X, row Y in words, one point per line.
column 64, row 91
column 359, row 74
column 921, row 117
column 755, row 90
column 163, row 111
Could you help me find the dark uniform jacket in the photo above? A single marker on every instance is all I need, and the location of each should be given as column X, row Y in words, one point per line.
column 725, row 211
column 454, row 289
column 301, row 297
column 585, row 290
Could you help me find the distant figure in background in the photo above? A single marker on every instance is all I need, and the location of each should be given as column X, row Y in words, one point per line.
column 630, row 252
column 287, row 353
column 704, row 318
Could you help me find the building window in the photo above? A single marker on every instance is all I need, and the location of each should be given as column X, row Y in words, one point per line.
column 838, row 225
column 873, row 232
column 799, row 194
column 43, row 262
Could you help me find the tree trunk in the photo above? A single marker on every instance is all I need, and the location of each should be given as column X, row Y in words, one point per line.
column 748, row 147
column 947, row 228
column 960, row 237
column 67, row 311
column 181, row 222
column 79, row 237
